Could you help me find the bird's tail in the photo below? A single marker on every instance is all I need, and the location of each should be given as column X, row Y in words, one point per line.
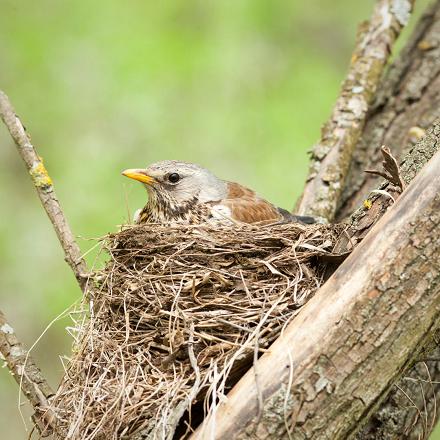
column 305, row 219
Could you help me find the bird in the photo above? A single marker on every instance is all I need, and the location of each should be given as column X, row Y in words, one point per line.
column 183, row 192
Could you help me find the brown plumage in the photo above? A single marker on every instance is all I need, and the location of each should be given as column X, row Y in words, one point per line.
column 185, row 192
column 247, row 207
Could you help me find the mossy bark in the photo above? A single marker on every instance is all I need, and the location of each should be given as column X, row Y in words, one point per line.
column 332, row 155
column 407, row 103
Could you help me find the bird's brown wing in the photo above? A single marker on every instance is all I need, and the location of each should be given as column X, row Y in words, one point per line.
column 246, row 206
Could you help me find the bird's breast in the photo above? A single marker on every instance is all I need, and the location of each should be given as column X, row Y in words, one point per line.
column 162, row 210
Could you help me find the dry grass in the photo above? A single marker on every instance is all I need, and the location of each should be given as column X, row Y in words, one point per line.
column 175, row 317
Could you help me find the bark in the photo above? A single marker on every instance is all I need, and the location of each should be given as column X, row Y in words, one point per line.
column 354, row 339
column 375, row 206
column 408, row 102
column 332, row 155
column 370, row 328
column 27, row 375
column 45, row 190
column 410, row 411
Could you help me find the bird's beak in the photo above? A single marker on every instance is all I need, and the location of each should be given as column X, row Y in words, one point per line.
column 140, row 175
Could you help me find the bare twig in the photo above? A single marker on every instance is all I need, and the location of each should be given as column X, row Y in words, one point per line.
column 332, row 155
column 44, row 186
column 27, row 375
column 391, row 169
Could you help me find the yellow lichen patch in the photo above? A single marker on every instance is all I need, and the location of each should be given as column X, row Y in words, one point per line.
column 39, row 175
column 425, row 45
column 367, row 204
column 415, row 133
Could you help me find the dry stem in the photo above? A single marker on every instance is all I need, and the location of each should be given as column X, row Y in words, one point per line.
column 365, row 217
column 391, row 170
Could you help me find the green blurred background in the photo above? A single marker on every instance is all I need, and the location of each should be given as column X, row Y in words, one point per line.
column 240, row 87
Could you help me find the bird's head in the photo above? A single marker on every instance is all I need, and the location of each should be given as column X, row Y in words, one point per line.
column 179, row 181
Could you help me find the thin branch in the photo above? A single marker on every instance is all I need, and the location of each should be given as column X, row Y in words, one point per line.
column 18, row 361
column 44, row 186
column 27, row 375
column 332, row 155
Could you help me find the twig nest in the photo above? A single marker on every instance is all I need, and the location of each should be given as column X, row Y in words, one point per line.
column 177, row 316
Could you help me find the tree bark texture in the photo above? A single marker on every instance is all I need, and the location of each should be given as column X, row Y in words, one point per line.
column 373, row 208
column 409, row 412
column 325, row 383
column 332, row 155
column 27, row 375
column 407, row 103
column 378, row 313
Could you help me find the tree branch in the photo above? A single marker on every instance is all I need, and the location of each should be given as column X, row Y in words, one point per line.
column 22, row 367
column 407, row 103
column 395, row 418
column 332, row 155
column 44, row 186
column 326, row 374
column 364, row 218
column 27, row 375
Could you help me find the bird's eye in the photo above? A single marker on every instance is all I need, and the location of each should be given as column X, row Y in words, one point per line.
column 173, row 178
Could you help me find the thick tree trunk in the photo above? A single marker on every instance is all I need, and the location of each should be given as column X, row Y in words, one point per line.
column 331, row 156
column 408, row 102
column 325, row 376
column 409, row 412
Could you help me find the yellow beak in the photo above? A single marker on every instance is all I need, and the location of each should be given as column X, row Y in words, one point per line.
column 140, row 175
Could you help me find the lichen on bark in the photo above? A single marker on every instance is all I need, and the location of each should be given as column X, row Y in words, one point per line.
column 332, row 155
column 407, row 103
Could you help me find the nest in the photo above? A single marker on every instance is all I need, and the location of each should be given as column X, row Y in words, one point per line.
column 176, row 317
